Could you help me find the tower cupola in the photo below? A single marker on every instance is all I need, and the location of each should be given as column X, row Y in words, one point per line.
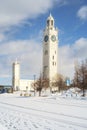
column 50, row 21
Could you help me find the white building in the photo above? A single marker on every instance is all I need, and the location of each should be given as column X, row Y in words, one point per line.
column 50, row 49
column 17, row 83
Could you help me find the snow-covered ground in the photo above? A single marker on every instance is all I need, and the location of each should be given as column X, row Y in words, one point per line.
column 55, row 112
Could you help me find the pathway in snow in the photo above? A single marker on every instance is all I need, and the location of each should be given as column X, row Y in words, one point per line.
column 22, row 117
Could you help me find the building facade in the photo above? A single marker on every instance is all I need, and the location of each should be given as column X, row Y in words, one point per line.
column 17, row 83
column 50, row 49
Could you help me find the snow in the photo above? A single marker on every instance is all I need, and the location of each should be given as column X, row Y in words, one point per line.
column 55, row 112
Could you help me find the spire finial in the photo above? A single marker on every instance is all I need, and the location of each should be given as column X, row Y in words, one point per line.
column 50, row 14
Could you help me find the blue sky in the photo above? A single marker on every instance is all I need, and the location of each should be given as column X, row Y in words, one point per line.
column 21, row 34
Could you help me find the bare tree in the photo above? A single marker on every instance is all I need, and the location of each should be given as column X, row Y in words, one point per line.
column 41, row 84
column 80, row 77
column 46, row 82
column 34, row 87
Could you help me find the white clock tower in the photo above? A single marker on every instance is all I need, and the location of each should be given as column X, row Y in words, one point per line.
column 50, row 49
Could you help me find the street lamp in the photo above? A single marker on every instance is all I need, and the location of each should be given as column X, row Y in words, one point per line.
column 34, row 84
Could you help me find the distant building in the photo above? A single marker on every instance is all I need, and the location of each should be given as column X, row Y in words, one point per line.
column 1, row 88
column 17, row 83
column 5, row 88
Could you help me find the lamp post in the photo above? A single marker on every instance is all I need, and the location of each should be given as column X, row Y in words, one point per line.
column 34, row 84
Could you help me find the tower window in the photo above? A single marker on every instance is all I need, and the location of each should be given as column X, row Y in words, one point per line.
column 52, row 22
column 45, row 71
column 53, row 63
column 46, row 52
column 55, row 52
column 47, row 22
column 53, row 57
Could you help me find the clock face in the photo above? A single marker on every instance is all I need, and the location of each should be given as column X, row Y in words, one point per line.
column 53, row 38
column 46, row 38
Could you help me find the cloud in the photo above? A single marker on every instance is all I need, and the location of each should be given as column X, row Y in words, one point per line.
column 18, row 11
column 80, row 47
column 66, row 60
column 2, row 37
column 15, row 12
column 82, row 13
column 28, row 53
column 69, row 53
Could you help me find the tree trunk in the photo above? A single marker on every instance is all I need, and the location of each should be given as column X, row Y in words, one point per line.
column 83, row 89
column 34, row 92
column 39, row 93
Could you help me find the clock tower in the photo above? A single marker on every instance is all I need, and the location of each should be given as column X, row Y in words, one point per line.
column 50, row 49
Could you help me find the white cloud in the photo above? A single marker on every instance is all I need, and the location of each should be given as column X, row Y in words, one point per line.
column 14, row 12
column 68, row 54
column 28, row 53
column 2, row 37
column 82, row 13
column 80, row 47
column 66, row 60
column 18, row 11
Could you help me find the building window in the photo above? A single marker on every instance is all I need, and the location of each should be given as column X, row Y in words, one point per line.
column 46, row 52
column 53, row 63
column 52, row 22
column 45, row 70
column 45, row 67
column 53, row 57
column 47, row 22
column 55, row 52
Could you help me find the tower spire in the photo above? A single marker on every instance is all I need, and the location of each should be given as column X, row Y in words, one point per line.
column 50, row 14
